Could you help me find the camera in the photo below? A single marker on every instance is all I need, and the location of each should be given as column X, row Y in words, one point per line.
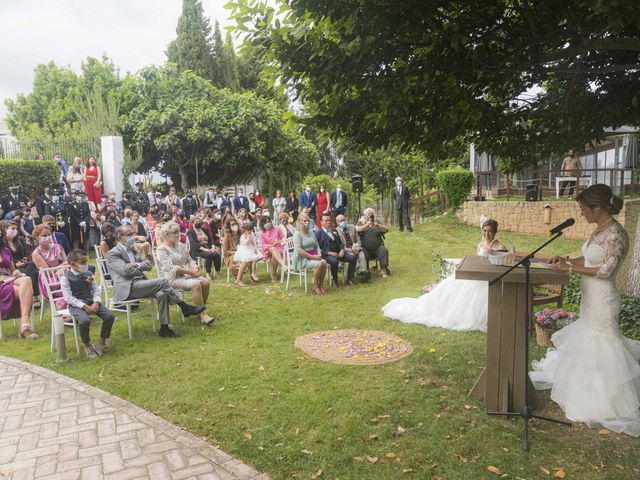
column 371, row 218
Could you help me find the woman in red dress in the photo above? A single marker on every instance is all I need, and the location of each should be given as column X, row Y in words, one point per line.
column 323, row 205
column 93, row 182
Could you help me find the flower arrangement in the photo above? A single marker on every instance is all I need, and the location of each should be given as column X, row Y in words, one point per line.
column 550, row 319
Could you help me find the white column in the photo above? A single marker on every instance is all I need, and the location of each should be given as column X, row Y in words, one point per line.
column 112, row 164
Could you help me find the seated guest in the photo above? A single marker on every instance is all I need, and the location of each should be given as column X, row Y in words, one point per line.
column 348, row 235
column 47, row 254
column 201, row 246
column 16, row 294
column 371, row 233
column 255, row 217
column 285, row 226
column 333, row 250
column 20, row 254
column 57, row 237
column 82, row 294
column 242, row 216
column 307, row 253
column 247, row 254
column 108, row 232
column 179, row 269
column 454, row 304
column 127, row 268
column 137, row 225
column 230, row 241
column 272, row 249
column 215, row 225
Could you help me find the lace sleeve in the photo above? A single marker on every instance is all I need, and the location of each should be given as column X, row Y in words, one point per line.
column 615, row 245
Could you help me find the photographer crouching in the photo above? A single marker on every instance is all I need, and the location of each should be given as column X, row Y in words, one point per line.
column 371, row 233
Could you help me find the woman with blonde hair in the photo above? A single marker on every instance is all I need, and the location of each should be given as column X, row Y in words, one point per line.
column 306, row 253
column 176, row 265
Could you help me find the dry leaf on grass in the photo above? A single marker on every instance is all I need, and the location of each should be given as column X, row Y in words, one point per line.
column 372, row 459
column 603, row 431
column 261, row 368
column 247, row 435
column 399, row 431
column 390, row 455
column 544, row 470
column 307, row 452
column 493, row 469
column 316, row 475
column 373, row 436
column 560, row 473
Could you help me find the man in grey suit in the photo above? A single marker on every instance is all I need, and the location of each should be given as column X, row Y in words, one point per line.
column 401, row 204
column 126, row 268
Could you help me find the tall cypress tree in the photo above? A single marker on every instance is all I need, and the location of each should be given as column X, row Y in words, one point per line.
column 192, row 49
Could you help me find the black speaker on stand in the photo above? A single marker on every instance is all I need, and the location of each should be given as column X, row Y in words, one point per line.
column 357, row 186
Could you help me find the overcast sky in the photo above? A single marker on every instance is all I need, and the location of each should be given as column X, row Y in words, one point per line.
column 134, row 33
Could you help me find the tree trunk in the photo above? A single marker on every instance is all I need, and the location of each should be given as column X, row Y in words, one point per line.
column 184, row 177
column 633, row 282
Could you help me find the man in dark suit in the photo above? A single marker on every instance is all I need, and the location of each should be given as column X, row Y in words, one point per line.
column 401, row 204
column 43, row 202
column 240, row 202
column 338, row 201
column 308, row 202
column 333, row 250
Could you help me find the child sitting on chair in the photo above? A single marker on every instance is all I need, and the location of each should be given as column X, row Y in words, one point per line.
column 82, row 294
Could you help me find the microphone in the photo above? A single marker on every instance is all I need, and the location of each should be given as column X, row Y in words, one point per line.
column 557, row 229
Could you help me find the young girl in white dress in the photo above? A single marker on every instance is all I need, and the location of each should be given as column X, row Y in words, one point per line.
column 452, row 304
column 247, row 254
column 593, row 371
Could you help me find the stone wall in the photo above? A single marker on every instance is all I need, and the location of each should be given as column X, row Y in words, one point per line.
column 529, row 217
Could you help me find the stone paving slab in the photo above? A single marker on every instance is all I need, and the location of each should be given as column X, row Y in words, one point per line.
column 53, row 427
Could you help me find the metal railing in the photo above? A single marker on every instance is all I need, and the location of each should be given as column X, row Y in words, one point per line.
column 494, row 183
column 28, row 150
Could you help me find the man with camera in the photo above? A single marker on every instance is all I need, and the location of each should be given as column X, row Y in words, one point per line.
column 371, row 233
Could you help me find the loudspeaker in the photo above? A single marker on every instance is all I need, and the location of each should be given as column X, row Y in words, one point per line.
column 532, row 193
column 356, row 184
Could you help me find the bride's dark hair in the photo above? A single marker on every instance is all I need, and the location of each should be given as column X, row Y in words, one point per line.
column 601, row 195
column 491, row 223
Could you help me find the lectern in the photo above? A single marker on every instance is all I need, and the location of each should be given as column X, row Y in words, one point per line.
column 500, row 383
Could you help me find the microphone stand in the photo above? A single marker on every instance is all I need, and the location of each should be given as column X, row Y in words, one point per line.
column 527, row 410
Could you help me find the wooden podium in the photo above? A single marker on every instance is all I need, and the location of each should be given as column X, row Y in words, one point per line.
column 500, row 383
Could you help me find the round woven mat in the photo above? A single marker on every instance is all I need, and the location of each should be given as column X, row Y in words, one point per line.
column 354, row 347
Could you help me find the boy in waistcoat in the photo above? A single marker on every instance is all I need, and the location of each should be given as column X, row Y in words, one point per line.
column 82, row 294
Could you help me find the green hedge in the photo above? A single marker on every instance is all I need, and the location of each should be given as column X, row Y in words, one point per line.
column 33, row 175
column 456, row 183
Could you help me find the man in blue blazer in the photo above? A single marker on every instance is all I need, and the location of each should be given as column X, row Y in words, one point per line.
column 240, row 202
column 333, row 250
column 308, row 202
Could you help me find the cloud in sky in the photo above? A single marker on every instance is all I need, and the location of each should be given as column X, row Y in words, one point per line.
column 133, row 33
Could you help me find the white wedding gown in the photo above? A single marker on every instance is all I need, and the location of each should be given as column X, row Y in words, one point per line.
column 593, row 371
column 452, row 304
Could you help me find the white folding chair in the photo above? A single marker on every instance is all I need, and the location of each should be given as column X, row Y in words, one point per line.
column 301, row 273
column 51, row 280
column 124, row 306
column 256, row 237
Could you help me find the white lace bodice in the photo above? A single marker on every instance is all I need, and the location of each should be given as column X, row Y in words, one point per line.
column 483, row 251
column 600, row 303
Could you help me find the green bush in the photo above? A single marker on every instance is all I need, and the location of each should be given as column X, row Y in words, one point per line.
column 32, row 175
column 456, row 184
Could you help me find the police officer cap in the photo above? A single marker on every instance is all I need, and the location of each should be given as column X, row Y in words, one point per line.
column 14, row 187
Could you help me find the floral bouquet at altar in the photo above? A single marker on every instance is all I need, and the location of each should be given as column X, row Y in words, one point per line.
column 549, row 321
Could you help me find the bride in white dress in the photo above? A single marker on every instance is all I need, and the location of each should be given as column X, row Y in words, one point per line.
column 593, row 371
column 452, row 304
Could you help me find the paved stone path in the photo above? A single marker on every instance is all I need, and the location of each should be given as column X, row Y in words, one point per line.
column 54, row 427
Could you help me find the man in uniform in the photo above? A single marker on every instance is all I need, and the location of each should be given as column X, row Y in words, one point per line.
column 79, row 218
column 59, row 211
column 141, row 200
column 14, row 201
column 190, row 204
column 43, row 202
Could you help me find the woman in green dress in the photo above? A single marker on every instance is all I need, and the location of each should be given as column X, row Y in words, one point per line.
column 307, row 253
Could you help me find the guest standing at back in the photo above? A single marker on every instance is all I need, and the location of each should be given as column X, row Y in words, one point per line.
column 401, row 204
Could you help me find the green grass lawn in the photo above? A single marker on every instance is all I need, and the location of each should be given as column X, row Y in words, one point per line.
column 244, row 386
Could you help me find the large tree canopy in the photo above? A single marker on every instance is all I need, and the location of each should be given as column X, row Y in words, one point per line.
column 179, row 119
column 416, row 73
